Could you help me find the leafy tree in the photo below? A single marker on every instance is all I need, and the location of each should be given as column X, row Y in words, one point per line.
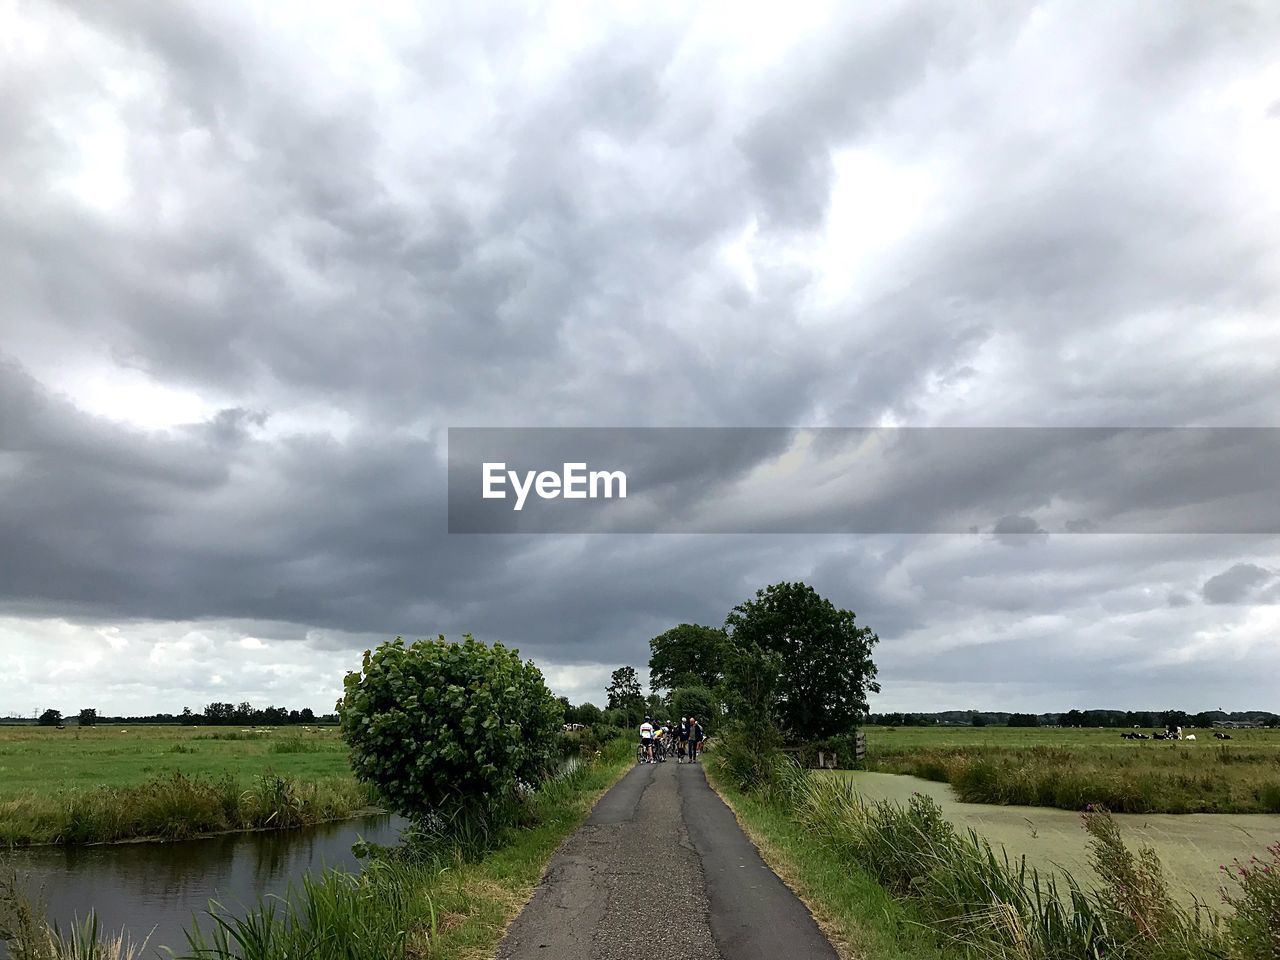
column 696, row 702
column 88, row 717
column 1023, row 720
column 219, row 714
column 656, row 707
column 307, row 715
column 587, row 713
column 271, row 715
column 624, row 691
column 50, row 718
column 687, row 655
column 750, row 685
column 979, row 720
column 441, row 726
column 822, row 656
column 618, row 718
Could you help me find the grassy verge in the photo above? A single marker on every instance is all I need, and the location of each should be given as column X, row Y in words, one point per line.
column 446, row 906
column 855, row 912
column 983, row 903
column 175, row 807
column 1127, row 778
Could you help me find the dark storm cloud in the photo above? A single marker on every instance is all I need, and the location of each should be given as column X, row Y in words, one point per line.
column 1242, row 583
column 1015, row 531
column 483, row 222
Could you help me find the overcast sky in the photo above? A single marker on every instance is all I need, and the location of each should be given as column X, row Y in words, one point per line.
column 256, row 259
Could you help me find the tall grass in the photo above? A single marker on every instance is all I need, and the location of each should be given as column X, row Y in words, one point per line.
column 28, row 936
column 297, row 745
column 375, row 915
column 416, row 899
column 1125, row 778
column 176, row 807
column 992, row 906
column 1255, row 896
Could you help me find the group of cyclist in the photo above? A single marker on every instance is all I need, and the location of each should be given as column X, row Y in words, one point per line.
column 657, row 739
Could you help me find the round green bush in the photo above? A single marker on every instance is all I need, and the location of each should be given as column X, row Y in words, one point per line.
column 439, row 726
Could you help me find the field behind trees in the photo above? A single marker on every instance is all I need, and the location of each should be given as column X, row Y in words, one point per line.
column 40, row 759
column 1069, row 768
column 105, row 782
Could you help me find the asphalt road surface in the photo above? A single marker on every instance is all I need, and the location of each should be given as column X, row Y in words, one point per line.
column 662, row 871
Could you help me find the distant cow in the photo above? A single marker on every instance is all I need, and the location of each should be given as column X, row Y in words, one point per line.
column 1222, row 736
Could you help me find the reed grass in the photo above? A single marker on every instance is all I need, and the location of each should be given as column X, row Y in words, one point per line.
column 26, row 934
column 175, row 807
column 448, row 893
column 987, row 904
column 1139, row 777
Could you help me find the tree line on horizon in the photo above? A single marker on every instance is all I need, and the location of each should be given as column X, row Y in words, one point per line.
column 1074, row 718
column 214, row 715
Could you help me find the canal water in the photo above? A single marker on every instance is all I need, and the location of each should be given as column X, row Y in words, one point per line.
column 154, row 891
column 1192, row 846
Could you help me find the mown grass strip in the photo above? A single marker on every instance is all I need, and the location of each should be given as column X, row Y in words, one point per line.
column 856, row 913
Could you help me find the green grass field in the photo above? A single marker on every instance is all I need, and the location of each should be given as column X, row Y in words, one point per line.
column 108, row 783
column 42, row 759
column 1070, row 768
column 453, row 903
column 894, row 738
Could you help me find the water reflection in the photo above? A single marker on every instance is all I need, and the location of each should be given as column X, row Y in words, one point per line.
column 157, row 888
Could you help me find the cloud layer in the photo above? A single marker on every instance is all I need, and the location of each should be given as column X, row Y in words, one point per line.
column 254, row 266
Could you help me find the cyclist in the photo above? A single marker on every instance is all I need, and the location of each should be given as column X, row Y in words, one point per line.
column 696, row 736
column 660, row 743
column 682, row 735
column 646, row 739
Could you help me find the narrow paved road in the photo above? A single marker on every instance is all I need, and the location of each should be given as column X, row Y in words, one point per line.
column 662, row 837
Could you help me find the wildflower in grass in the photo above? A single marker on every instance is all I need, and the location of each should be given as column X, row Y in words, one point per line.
column 1256, row 898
